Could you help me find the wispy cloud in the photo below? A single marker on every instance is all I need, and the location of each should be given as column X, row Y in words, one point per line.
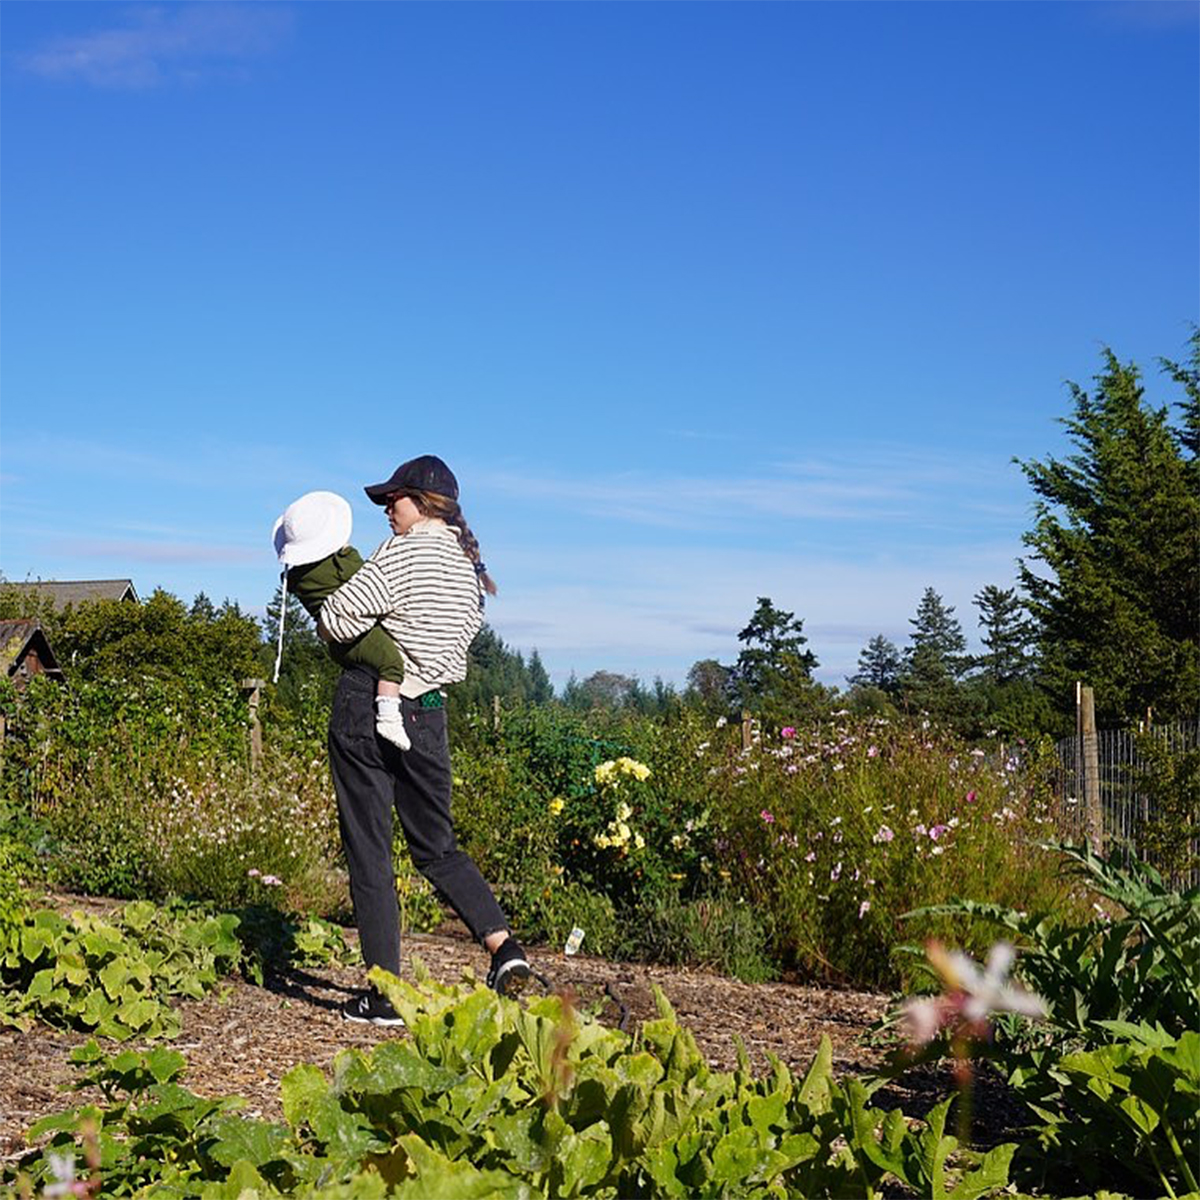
column 1147, row 15
column 656, row 610
column 156, row 552
column 156, row 45
column 886, row 486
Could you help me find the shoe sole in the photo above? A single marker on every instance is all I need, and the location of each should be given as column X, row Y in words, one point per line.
column 392, row 1021
column 512, row 979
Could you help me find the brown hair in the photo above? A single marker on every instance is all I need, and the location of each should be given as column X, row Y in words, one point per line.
column 432, row 504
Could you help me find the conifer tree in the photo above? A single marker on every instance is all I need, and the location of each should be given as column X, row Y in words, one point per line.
column 541, row 690
column 1117, row 537
column 1008, row 634
column 773, row 672
column 879, row 666
column 935, row 658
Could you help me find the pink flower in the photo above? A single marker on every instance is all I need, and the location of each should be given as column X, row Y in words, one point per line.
column 873, row 752
column 937, row 831
column 883, row 835
column 254, row 872
column 811, row 856
column 836, row 873
column 972, row 796
column 863, row 909
column 971, row 996
column 767, row 816
column 788, row 731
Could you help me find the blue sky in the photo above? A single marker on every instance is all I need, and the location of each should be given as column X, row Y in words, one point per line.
column 702, row 302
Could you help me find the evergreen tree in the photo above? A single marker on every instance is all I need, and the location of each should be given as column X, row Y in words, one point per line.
column 1008, row 634
column 935, row 658
column 541, row 690
column 1118, row 527
column 879, row 666
column 773, row 672
column 306, row 672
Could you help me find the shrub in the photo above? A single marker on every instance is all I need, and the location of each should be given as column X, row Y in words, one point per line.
column 839, row 830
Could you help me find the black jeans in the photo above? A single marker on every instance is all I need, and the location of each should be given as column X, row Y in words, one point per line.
column 372, row 779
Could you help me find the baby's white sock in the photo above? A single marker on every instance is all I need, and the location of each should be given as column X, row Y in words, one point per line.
column 389, row 723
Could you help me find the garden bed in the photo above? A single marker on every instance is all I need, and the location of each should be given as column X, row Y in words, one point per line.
column 243, row 1039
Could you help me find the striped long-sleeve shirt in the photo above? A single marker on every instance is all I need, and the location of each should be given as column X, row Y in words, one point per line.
column 423, row 590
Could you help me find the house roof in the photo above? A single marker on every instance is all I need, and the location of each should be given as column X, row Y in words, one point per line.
column 15, row 637
column 79, row 591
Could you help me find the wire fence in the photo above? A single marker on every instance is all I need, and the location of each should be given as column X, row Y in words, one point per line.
column 1124, row 803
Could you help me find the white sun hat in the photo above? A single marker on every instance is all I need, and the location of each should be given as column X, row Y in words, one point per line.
column 312, row 528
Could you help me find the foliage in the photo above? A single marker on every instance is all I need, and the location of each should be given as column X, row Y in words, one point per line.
column 491, row 1099
column 143, row 790
column 935, row 659
column 773, row 673
column 721, row 931
column 495, row 669
column 112, row 976
column 1111, row 1080
column 1170, row 783
column 879, row 666
column 1137, row 966
column 839, row 830
column 708, row 687
column 307, row 672
column 115, row 639
column 1118, row 528
column 1008, row 634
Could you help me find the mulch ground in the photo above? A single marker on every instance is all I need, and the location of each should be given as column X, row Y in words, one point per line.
column 242, row 1039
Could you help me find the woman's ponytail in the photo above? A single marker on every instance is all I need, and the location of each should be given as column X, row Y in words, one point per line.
column 431, row 504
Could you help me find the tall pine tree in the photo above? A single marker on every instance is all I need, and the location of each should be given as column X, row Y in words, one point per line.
column 773, row 672
column 879, row 666
column 1113, row 575
column 935, row 659
column 1008, row 634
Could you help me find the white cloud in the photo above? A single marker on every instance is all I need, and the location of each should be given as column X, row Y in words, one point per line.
column 658, row 610
column 155, row 552
column 156, row 45
column 885, row 485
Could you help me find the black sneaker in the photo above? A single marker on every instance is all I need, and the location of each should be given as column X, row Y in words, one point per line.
column 371, row 1009
column 510, row 970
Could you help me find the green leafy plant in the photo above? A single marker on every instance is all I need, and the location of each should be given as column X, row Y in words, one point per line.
column 114, row 977
column 488, row 1098
column 1110, row 1077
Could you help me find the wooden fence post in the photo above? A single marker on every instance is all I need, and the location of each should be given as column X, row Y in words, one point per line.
column 1090, row 761
column 747, row 730
column 253, row 690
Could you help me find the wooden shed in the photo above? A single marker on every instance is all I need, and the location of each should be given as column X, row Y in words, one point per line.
column 25, row 652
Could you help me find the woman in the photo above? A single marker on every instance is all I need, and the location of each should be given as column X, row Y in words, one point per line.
column 426, row 587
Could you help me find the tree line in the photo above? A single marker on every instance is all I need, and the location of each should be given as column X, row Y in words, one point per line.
column 1108, row 592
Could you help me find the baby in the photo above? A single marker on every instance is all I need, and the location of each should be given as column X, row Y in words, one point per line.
column 311, row 541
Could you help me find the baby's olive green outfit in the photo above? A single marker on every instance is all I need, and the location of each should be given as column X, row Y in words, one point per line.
column 313, row 583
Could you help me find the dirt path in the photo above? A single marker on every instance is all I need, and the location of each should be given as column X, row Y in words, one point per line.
column 243, row 1039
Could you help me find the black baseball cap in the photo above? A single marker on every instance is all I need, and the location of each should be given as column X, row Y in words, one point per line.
column 424, row 474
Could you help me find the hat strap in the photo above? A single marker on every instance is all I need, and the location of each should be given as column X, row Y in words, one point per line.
column 282, row 615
